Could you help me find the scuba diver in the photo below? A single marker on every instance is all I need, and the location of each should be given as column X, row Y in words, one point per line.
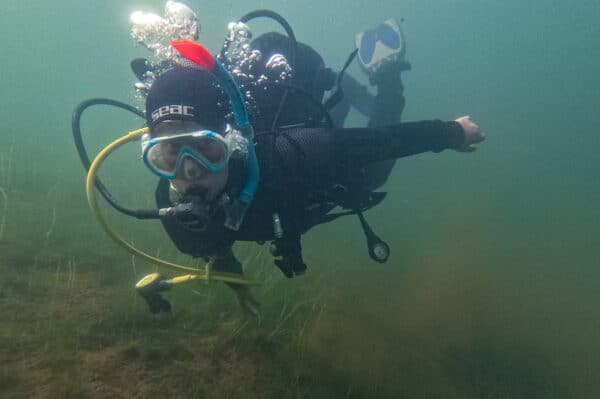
column 247, row 150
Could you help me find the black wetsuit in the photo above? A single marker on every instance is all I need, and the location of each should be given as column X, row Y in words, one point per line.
column 307, row 171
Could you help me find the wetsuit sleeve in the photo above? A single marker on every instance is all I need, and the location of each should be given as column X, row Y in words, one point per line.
column 363, row 146
column 309, row 156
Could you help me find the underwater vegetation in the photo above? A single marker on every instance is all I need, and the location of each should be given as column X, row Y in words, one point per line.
column 73, row 329
column 6, row 170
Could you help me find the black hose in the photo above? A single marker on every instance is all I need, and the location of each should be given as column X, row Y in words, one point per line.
column 323, row 112
column 284, row 24
column 338, row 92
column 85, row 160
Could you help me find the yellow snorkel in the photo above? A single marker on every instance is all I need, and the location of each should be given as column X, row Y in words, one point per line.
column 150, row 286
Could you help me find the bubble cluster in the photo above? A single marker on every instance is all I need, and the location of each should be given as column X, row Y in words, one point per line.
column 155, row 33
column 245, row 64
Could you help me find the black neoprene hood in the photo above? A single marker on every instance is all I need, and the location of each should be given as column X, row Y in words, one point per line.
column 187, row 94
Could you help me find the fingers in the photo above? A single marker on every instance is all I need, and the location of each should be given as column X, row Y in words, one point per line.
column 477, row 138
column 465, row 120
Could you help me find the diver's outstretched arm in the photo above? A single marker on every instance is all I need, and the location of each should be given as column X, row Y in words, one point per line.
column 360, row 147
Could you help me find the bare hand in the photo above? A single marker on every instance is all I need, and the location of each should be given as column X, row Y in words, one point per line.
column 473, row 134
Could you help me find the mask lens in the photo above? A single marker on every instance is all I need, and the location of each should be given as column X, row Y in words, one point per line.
column 367, row 46
column 163, row 157
column 388, row 36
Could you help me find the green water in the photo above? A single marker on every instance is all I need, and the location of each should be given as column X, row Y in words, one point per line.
column 492, row 289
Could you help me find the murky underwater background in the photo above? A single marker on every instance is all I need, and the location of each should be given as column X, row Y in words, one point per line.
column 492, row 290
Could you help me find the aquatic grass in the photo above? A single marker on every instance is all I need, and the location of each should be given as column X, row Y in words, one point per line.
column 10, row 380
column 6, row 181
column 4, row 212
column 7, row 164
column 50, row 230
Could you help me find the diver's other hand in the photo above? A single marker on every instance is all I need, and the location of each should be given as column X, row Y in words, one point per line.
column 473, row 134
column 247, row 300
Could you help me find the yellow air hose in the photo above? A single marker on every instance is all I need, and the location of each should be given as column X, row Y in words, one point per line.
column 199, row 274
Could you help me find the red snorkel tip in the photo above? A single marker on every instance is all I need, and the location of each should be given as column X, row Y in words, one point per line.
column 195, row 52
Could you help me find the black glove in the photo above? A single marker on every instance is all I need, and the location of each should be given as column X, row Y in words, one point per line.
column 140, row 68
column 291, row 267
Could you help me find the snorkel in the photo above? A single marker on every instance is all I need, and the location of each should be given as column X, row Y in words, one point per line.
column 199, row 55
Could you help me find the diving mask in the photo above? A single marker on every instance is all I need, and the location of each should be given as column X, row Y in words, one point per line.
column 185, row 155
